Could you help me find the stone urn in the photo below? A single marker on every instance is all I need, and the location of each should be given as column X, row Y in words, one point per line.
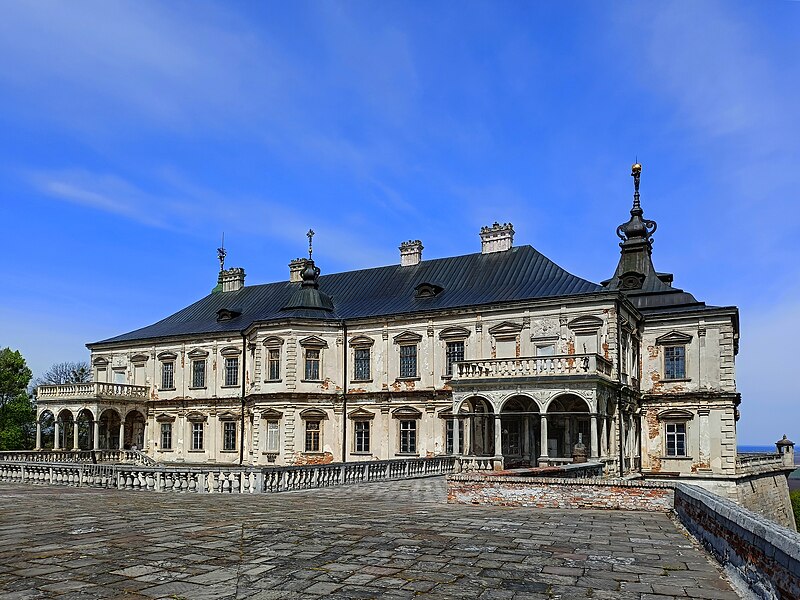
column 579, row 454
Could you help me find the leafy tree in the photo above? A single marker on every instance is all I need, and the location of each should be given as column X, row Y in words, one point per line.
column 795, row 496
column 17, row 414
column 66, row 372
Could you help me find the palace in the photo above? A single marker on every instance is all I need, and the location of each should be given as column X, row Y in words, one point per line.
column 501, row 356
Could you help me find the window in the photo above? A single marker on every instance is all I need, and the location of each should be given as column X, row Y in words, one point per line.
column 168, row 376
column 361, row 430
column 545, row 349
column 274, row 364
column 273, row 436
column 166, row 436
column 674, row 362
column 229, row 435
column 454, row 352
column 408, row 360
column 361, row 364
column 119, row 376
column 232, row 371
column 448, row 442
column 676, row 439
column 198, row 373
column 197, row 436
column 408, row 436
column 312, row 364
column 313, row 436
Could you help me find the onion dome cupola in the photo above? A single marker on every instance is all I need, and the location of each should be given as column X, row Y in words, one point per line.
column 308, row 296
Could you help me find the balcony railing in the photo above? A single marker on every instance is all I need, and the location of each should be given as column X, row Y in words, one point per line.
column 536, row 366
column 92, row 390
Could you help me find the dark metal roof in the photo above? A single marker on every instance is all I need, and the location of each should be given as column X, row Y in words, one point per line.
column 521, row 273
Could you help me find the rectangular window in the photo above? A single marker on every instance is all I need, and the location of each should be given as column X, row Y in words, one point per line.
column 166, row 436
column 408, row 360
column 273, row 436
column 168, row 376
column 119, row 376
column 313, row 436
column 408, row 436
column 676, row 439
column 361, row 429
column 312, row 365
column 545, row 349
column 674, row 362
column 448, row 443
column 274, row 364
column 453, row 353
column 361, row 366
column 197, row 436
column 199, row 373
column 229, row 435
column 232, row 371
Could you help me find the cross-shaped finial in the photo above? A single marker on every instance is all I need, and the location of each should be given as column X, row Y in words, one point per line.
column 310, row 235
column 221, row 254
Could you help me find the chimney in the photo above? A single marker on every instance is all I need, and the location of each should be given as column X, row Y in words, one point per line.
column 497, row 238
column 231, row 280
column 296, row 269
column 410, row 253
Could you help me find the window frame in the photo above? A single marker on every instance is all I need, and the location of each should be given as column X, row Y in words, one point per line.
column 365, row 362
column 194, row 364
column 171, row 370
column 227, row 371
column 362, row 436
column 198, row 436
column 308, row 362
column 403, row 370
column 666, row 362
column 449, row 360
column 677, row 436
column 273, row 362
column 165, row 433
column 268, row 433
column 229, row 434
column 408, row 429
column 312, row 430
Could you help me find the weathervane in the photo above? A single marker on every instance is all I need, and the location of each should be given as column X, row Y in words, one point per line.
column 221, row 253
column 310, row 235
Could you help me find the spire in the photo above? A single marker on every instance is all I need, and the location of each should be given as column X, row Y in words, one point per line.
column 636, row 229
column 309, row 297
column 310, row 236
column 222, row 253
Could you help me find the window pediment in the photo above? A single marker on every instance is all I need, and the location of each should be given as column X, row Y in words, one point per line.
column 313, row 414
column 674, row 338
column 313, row 341
column 675, row 414
column 166, row 356
column 361, row 341
column 198, row 353
column 454, row 333
column 196, row 417
column 271, row 413
column 165, row 418
column 139, row 359
column 505, row 330
column 273, row 341
column 407, row 337
column 230, row 351
column 585, row 325
column 100, row 362
column 406, row 412
column 228, row 416
column 361, row 413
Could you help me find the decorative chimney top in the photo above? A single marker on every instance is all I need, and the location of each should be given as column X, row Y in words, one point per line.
column 231, row 280
column 296, row 268
column 497, row 238
column 410, row 253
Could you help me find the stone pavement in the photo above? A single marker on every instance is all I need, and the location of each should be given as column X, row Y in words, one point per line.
column 388, row 540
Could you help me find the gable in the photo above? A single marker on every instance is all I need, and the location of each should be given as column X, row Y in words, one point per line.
column 674, row 338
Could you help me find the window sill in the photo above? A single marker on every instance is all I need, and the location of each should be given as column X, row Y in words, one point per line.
column 447, row 377
column 196, row 451
column 676, row 458
column 406, row 454
column 202, row 387
column 273, row 380
column 228, row 451
column 165, row 450
column 311, row 381
column 275, row 452
column 361, row 453
column 408, row 378
column 314, row 452
column 166, row 389
column 683, row 379
column 361, row 381
column 232, row 385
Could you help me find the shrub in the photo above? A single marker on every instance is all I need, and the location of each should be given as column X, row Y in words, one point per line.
column 795, row 496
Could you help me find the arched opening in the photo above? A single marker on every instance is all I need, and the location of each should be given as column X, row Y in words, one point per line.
column 47, row 424
column 109, row 429
column 520, row 423
column 480, row 429
column 66, row 430
column 134, row 430
column 85, row 422
column 568, row 422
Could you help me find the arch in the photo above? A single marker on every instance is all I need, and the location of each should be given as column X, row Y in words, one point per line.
column 480, row 430
column 85, row 420
column 530, row 403
column 108, row 428
column 568, row 402
column 464, row 403
column 66, row 429
column 568, row 423
column 135, row 424
column 520, row 424
column 47, row 421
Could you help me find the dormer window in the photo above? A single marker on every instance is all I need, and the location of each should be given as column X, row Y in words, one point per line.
column 226, row 314
column 427, row 290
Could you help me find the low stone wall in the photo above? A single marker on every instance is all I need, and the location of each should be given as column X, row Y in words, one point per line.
column 559, row 492
column 753, row 548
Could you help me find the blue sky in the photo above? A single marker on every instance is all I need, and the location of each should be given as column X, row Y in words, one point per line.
column 135, row 133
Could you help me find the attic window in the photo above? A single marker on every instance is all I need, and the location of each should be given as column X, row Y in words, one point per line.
column 427, row 290
column 225, row 314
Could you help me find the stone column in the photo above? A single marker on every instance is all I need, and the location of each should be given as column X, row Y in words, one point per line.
column 594, row 452
column 121, row 434
column 604, row 437
column 96, row 434
column 498, row 436
column 38, row 435
column 75, row 445
column 704, row 434
column 455, row 436
column 56, row 436
column 543, row 434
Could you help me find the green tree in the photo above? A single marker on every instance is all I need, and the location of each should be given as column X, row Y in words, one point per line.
column 17, row 414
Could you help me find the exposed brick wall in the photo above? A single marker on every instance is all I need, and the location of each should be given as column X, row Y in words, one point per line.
column 765, row 556
column 559, row 492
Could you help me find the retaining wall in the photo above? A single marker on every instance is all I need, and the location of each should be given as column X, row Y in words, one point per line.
column 753, row 548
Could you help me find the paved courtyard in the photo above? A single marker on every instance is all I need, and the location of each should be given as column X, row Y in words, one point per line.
column 381, row 540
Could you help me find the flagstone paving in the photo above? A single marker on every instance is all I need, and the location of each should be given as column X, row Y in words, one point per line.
column 390, row 540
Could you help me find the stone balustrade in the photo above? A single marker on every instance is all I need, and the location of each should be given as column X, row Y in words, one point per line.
column 476, row 463
column 95, row 389
column 220, row 479
column 756, row 463
column 535, row 366
column 133, row 457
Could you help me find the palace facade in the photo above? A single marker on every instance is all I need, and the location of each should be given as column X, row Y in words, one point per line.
column 500, row 355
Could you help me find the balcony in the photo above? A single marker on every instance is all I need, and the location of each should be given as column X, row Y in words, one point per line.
column 563, row 365
column 92, row 390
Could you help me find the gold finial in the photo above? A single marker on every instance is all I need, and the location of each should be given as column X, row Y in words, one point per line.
column 636, row 168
